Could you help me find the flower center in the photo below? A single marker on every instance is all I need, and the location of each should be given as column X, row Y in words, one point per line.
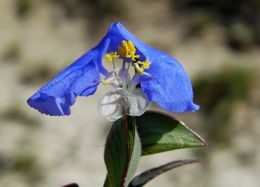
column 130, row 60
column 125, row 98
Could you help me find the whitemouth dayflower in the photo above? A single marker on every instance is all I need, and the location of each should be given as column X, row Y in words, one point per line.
column 140, row 75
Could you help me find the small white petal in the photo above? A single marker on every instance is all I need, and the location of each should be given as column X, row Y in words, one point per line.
column 110, row 106
column 137, row 103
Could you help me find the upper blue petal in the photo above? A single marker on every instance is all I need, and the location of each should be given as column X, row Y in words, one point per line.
column 118, row 32
column 81, row 78
column 170, row 86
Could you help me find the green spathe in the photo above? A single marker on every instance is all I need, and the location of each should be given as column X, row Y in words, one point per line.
column 122, row 152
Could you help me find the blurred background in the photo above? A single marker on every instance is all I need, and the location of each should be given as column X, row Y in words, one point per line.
column 217, row 42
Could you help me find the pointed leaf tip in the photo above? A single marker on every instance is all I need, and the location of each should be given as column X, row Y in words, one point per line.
column 159, row 133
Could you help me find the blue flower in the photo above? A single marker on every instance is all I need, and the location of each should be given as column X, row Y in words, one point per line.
column 161, row 78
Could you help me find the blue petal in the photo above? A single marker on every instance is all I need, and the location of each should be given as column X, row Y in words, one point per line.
column 170, row 87
column 79, row 79
column 101, row 50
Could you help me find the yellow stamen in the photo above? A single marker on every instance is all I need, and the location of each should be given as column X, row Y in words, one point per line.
column 132, row 50
column 111, row 56
column 135, row 57
column 122, row 51
column 144, row 64
column 125, row 45
column 131, row 47
column 139, row 70
column 128, row 50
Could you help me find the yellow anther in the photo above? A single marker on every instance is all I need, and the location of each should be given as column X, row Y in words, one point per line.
column 122, row 51
column 135, row 57
column 139, row 70
column 111, row 56
column 125, row 44
column 132, row 51
column 128, row 50
column 144, row 64
column 131, row 47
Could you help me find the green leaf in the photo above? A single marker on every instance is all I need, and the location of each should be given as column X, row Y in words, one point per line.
column 148, row 175
column 107, row 182
column 159, row 133
column 122, row 152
